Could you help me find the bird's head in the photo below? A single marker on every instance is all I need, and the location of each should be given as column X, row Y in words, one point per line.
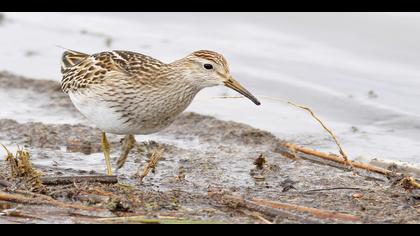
column 208, row 68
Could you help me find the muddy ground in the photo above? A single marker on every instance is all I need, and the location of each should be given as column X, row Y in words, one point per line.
column 202, row 155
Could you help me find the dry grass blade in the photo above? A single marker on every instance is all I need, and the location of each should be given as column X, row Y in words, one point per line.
column 12, row 162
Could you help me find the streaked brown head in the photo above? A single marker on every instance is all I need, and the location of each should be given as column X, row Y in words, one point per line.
column 211, row 69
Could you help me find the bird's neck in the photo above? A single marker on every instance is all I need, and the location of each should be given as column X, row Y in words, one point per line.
column 179, row 91
column 177, row 75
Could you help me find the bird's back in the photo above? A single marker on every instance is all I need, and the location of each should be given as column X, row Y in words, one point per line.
column 81, row 70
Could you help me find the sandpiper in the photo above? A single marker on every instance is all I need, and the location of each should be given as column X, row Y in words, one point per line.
column 128, row 93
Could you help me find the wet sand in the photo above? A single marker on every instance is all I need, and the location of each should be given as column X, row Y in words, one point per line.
column 202, row 154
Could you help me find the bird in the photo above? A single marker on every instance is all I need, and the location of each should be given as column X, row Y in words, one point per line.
column 129, row 93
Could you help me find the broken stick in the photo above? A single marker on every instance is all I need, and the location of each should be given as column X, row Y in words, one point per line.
column 285, row 210
column 238, row 202
column 18, row 198
column 406, row 180
column 337, row 159
column 323, row 214
column 63, row 180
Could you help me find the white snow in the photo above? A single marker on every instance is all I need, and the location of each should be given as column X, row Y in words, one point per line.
column 327, row 61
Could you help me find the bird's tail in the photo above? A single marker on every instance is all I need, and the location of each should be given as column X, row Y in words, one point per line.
column 71, row 58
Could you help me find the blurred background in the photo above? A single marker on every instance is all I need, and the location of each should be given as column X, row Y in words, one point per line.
column 359, row 71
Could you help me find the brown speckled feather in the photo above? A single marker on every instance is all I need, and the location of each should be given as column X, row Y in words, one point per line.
column 81, row 70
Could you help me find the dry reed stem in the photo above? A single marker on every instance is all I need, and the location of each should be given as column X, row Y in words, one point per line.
column 318, row 213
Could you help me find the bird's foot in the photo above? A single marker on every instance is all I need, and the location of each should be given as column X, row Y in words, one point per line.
column 128, row 144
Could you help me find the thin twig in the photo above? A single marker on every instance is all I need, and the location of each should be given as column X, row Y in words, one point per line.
column 343, row 154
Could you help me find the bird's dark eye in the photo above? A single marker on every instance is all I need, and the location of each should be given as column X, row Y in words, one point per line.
column 208, row 66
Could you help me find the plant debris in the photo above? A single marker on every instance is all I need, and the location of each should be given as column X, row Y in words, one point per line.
column 260, row 162
column 154, row 157
column 21, row 167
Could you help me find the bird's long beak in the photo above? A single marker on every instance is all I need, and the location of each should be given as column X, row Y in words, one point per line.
column 235, row 85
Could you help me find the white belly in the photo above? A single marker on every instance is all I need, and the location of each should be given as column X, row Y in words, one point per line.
column 147, row 115
column 101, row 114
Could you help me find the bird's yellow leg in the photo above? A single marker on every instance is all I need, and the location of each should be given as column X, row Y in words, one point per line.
column 106, row 150
column 128, row 144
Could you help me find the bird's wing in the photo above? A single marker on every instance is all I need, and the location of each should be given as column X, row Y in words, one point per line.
column 81, row 70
